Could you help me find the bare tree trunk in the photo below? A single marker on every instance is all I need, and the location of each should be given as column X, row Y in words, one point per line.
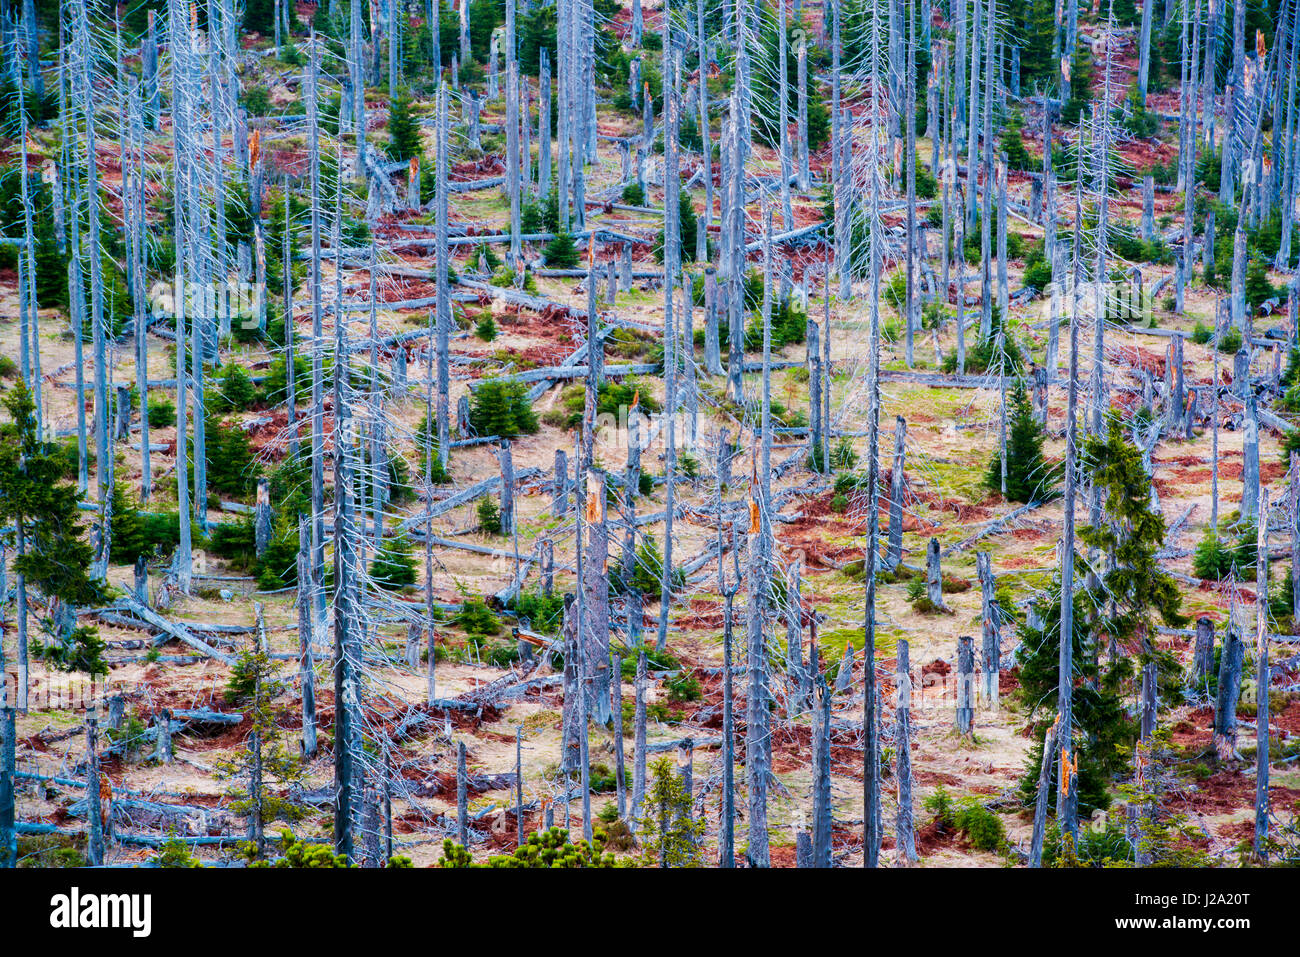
column 95, row 844
column 519, row 784
column 8, row 830
column 756, row 740
column 596, row 601
column 822, row 808
column 804, row 172
column 965, row 685
column 672, row 267
column 1250, row 484
column 816, row 437
column 1044, row 793
column 727, row 839
column 904, row 832
column 442, row 262
column 1262, row 683
column 544, row 125
column 897, row 485
column 462, row 797
column 793, row 643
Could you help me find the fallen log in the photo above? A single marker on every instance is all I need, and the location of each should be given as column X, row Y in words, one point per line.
column 178, row 632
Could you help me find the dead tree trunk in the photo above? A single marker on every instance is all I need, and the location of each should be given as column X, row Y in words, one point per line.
column 8, row 830
column 727, row 840
column 1203, row 659
column 897, row 484
column 793, row 643
column 1262, row 682
column 306, row 666
column 638, row 746
column 822, row 809
column 560, row 485
column 1293, row 527
column 934, row 576
column 1250, row 488
column 596, row 603
column 616, row 709
column 506, row 462
column 95, row 845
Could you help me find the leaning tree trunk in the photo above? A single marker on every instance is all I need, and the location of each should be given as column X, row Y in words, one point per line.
column 822, row 807
column 639, row 742
column 897, row 484
column 992, row 641
column 965, row 685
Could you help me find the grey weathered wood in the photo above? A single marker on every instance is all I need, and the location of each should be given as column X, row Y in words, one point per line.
column 95, row 845
column 823, row 810
column 262, row 517
column 726, row 841
column 506, row 462
column 1203, row 658
column 1262, row 682
column 306, row 664
column 816, row 434
column 163, row 736
column 1250, row 476
column 179, row 632
column 965, row 685
column 8, row 831
column 596, row 649
column 1293, row 527
column 1225, row 708
column 904, row 832
column 616, row 710
column 934, row 576
column 991, row 631
column 639, row 742
column 1147, row 226
column 462, row 793
column 897, row 486
column 560, row 486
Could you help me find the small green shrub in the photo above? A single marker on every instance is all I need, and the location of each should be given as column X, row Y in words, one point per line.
column 489, row 515
column 1230, row 340
column 162, row 413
